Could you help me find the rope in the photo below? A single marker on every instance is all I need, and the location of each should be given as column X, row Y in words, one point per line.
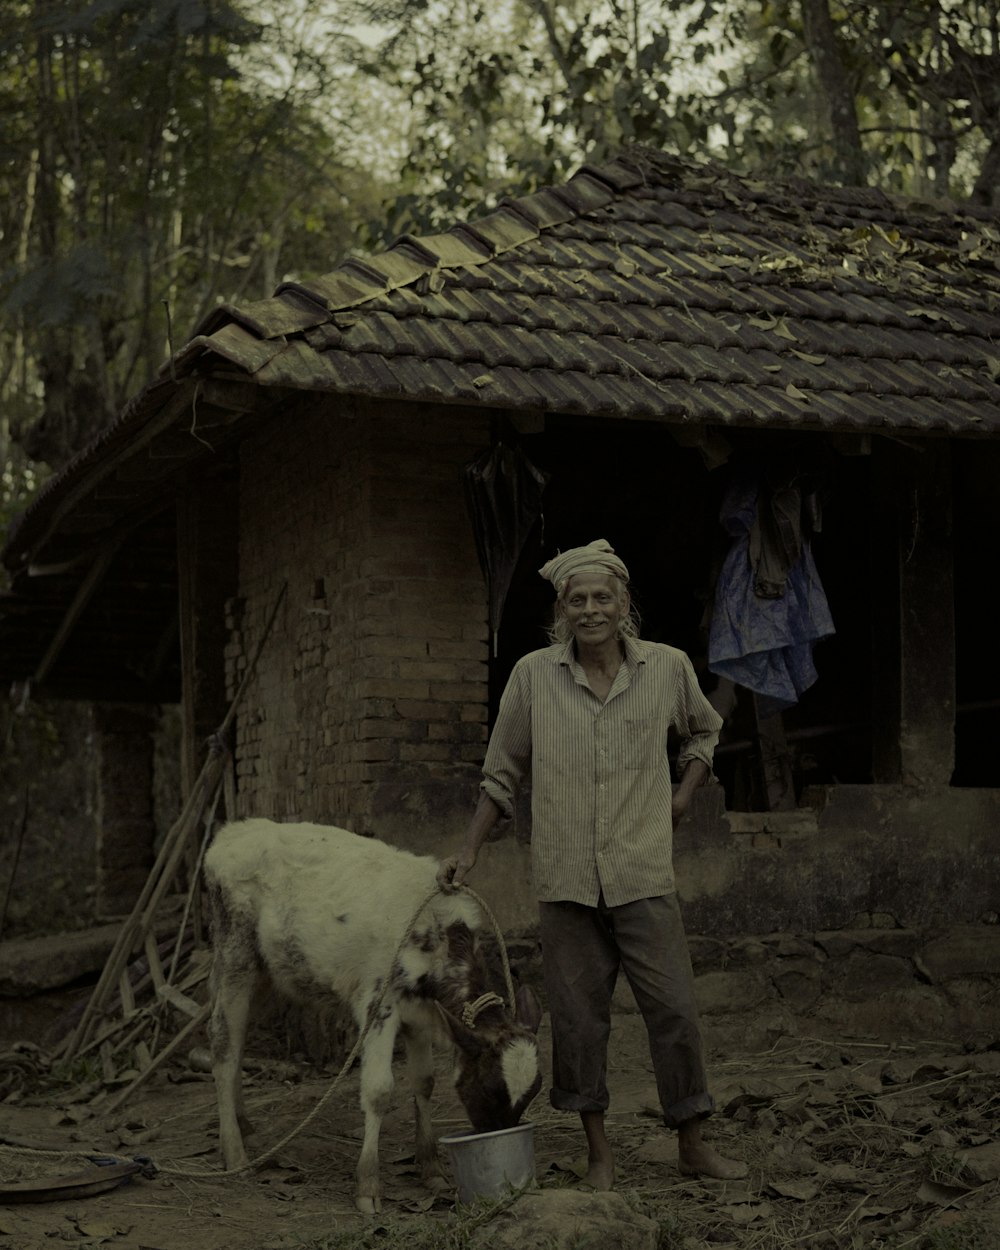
column 472, row 1011
column 373, row 1010
column 485, row 909
column 29, row 1152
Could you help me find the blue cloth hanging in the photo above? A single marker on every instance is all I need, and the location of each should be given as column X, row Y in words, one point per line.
column 764, row 625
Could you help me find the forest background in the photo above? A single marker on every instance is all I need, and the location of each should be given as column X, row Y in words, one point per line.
column 158, row 157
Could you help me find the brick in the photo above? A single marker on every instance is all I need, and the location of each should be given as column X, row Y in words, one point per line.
column 393, row 687
column 391, row 645
column 371, row 728
column 375, row 750
column 458, row 691
column 414, row 621
column 433, row 670
column 456, row 733
column 413, row 752
column 386, row 709
column 457, row 649
column 426, row 709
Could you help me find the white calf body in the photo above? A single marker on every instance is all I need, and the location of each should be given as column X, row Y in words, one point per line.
column 322, row 912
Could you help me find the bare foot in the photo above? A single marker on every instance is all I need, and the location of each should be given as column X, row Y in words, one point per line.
column 600, row 1159
column 695, row 1157
column 708, row 1162
column 600, row 1174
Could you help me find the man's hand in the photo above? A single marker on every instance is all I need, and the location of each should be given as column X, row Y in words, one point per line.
column 454, row 870
column 695, row 775
column 678, row 807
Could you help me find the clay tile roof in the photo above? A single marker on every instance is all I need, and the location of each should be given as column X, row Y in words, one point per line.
column 650, row 287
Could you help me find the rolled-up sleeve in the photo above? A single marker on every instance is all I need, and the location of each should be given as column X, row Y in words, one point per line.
column 696, row 721
column 508, row 756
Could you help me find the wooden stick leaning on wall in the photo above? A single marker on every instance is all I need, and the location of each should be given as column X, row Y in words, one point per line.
column 164, row 870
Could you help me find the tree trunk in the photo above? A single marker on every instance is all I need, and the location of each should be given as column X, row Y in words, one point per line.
column 825, row 53
column 987, row 188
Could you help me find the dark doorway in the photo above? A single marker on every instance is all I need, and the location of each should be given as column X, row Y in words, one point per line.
column 658, row 503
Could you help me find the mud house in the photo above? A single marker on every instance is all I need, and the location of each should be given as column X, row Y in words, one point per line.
column 613, row 356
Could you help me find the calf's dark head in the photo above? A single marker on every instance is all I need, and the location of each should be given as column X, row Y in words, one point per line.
column 497, row 1070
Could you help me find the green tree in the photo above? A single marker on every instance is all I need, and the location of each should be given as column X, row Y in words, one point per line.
column 508, row 96
column 159, row 156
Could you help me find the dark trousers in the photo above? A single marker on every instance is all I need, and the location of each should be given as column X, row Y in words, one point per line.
column 582, row 951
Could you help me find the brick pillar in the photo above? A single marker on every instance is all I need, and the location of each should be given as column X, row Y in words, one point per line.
column 126, row 827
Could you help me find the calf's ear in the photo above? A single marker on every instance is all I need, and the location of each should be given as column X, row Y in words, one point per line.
column 527, row 1008
column 461, row 1035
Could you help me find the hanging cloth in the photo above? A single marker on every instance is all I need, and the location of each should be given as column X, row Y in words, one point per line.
column 770, row 608
column 503, row 492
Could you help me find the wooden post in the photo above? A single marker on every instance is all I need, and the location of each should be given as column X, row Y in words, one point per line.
column 913, row 615
column 175, row 844
column 777, row 783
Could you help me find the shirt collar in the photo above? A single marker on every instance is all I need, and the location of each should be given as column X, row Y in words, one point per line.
column 634, row 654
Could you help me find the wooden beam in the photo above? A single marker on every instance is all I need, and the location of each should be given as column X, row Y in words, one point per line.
column 179, row 403
column 88, row 587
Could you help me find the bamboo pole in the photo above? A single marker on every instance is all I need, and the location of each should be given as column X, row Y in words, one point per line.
column 161, row 1058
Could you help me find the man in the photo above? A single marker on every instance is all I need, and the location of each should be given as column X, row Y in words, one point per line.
column 588, row 717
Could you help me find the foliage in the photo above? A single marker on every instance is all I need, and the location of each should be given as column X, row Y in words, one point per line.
column 158, row 156
column 510, row 96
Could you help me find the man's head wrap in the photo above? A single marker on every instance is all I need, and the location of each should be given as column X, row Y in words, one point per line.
column 596, row 557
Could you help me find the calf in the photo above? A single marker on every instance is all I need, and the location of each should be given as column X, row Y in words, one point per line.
column 322, row 913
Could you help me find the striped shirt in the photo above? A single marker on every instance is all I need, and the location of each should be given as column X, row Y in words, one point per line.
column 600, row 779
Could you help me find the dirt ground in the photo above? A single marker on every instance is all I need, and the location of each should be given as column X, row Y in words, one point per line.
column 850, row 1142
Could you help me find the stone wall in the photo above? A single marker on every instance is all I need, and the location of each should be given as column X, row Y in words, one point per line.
column 882, row 982
column 917, row 857
column 369, row 704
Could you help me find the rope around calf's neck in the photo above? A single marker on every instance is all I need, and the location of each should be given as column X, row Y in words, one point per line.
column 251, row 1164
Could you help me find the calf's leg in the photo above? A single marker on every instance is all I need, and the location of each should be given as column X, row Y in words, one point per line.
column 420, row 1066
column 376, row 1097
column 234, row 982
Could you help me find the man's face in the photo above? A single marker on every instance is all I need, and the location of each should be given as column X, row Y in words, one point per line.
column 593, row 606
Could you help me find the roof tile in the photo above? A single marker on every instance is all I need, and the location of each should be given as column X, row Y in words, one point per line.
column 650, row 287
column 544, row 209
column 500, row 231
column 397, row 267
column 447, row 250
column 585, row 194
